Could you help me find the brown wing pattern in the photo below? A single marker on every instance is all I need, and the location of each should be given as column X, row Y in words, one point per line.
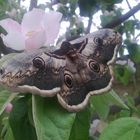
column 75, row 71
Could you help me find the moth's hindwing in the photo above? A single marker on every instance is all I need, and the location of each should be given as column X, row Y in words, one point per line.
column 75, row 71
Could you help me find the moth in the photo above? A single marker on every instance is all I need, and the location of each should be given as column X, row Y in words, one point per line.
column 74, row 72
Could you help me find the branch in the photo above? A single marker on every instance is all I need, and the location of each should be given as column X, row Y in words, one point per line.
column 130, row 8
column 33, row 4
column 89, row 25
column 54, row 2
column 124, row 17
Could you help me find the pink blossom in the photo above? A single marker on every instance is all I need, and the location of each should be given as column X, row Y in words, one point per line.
column 8, row 108
column 36, row 29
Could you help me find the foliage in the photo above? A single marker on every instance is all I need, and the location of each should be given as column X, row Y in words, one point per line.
column 122, row 129
column 37, row 118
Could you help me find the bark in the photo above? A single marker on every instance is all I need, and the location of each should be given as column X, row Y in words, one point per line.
column 123, row 18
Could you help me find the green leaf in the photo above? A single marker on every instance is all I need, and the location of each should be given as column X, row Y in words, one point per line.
column 123, row 73
column 101, row 103
column 87, row 7
column 132, row 106
column 21, row 127
column 129, row 27
column 5, row 97
column 134, row 50
column 80, row 129
column 115, row 99
column 123, row 113
column 9, row 134
column 52, row 122
column 122, row 129
column 105, row 19
column 73, row 5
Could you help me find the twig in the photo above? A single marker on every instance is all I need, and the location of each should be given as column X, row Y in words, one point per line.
column 137, row 36
column 124, row 17
column 130, row 8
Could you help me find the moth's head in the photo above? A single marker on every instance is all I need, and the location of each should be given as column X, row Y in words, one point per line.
column 104, row 44
column 106, row 37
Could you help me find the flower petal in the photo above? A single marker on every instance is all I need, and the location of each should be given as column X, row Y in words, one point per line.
column 8, row 108
column 52, row 25
column 35, row 41
column 10, row 25
column 32, row 20
column 14, row 40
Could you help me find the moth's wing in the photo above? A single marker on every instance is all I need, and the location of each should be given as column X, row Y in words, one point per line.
column 35, row 72
column 91, row 72
column 81, row 79
column 103, row 44
column 75, row 78
column 38, row 71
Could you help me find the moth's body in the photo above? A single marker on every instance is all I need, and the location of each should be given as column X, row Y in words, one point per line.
column 74, row 72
